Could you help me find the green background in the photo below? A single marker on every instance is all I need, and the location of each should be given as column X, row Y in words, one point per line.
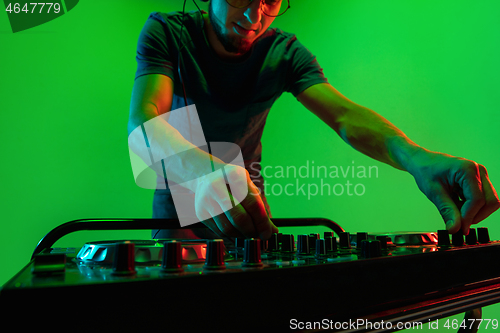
column 429, row 67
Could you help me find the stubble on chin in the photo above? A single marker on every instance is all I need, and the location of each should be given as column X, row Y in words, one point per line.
column 234, row 44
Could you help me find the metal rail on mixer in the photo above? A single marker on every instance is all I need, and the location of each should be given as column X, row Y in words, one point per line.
column 141, row 224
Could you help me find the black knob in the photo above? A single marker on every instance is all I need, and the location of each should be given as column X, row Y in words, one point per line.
column 251, row 256
column 124, row 259
column 172, row 257
column 215, row 255
column 263, row 245
column 482, row 235
column 272, row 244
column 360, row 236
column 239, row 242
column 329, row 234
column 312, row 241
column 443, row 238
column 320, row 249
column 303, row 245
column 383, row 241
column 279, row 237
column 371, row 248
column 471, row 238
column 457, row 239
column 345, row 240
column 331, row 244
column 287, row 243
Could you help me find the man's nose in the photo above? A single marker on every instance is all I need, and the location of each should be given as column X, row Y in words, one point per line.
column 253, row 13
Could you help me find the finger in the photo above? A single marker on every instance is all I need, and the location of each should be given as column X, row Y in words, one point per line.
column 252, row 204
column 470, row 182
column 222, row 224
column 214, row 201
column 226, row 227
column 210, row 223
column 447, row 208
column 492, row 203
column 242, row 221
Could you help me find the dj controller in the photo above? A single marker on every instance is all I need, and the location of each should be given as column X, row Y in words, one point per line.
column 197, row 285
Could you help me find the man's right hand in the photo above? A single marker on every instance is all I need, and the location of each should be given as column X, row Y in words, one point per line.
column 247, row 218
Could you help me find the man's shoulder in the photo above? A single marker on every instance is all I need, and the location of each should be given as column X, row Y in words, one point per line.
column 173, row 18
column 279, row 39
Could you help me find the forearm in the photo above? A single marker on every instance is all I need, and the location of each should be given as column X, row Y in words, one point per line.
column 168, row 153
column 376, row 137
column 360, row 127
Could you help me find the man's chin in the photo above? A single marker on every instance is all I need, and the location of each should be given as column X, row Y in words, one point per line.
column 240, row 46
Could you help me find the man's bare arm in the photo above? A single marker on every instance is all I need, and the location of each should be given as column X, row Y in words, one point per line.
column 459, row 188
column 150, row 106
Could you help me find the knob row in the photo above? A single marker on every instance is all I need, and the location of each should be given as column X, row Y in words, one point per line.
column 457, row 239
column 124, row 258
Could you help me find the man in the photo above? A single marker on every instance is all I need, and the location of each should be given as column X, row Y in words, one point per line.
column 233, row 68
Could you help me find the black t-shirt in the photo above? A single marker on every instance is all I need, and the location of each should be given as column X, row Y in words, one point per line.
column 232, row 99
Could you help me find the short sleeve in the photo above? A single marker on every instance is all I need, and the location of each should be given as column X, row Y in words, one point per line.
column 305, row 70
column 153, row 56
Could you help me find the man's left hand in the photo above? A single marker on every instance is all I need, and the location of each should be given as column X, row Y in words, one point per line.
column 460, row 188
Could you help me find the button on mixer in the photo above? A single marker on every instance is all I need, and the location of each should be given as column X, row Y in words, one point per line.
column 482, row 235
column 320, row 249
column 443, row 238
column 330, row 243
column 303, row 245
column 370, row 248
column 124, row 260
column 172, row 257
column 312, row 241
column 251, row 256
column 215, row 255
column 345, row 240
column 471, row 238
column 273, row 244
column 457, row 239
column 383, row 241
column 287, row 243
column 360, row 236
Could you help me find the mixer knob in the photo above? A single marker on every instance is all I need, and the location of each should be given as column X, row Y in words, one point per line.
column 312, row 241
column 124, row 259
column 272, row 244
column 371, row 248
column 251, row 256
column 320, row 248
column 443, row 238
column 345, row 241
column 330, row 243
column 457, row 239
column 383, row 241
column 328, row 234
column 239, row 242
column 482, row 235
column 263, row 245
column 471, row 238
column 172, row 257
column 287, row 243
column 215, row 255
column 303, row 245
column 360, row 236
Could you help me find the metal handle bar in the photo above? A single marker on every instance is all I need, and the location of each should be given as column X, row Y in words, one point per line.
column 139, row 224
